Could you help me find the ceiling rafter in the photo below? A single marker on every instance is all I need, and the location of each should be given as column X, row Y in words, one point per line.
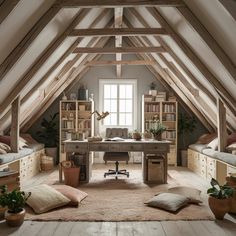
column 192, row 56
column 37, row 65
column 107, row 32
column 123, row 50
column 175, row 57
column 210, row 41
column 6, row 7
column 19, row 50
column 130, row 62
column 118, row 15
column 119, row 3
column 179, row 86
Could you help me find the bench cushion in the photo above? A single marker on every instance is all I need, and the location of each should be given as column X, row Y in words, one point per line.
column 198, row 147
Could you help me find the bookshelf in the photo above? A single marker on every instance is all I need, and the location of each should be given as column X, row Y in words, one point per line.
column 76, row 122
column 157, row 108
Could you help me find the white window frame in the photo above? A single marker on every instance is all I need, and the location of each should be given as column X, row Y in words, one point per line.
column 102, row 82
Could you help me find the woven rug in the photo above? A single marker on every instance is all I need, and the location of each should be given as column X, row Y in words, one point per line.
column 123, row 199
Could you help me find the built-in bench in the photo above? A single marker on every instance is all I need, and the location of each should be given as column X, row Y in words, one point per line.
column 209, row 163
column 26, row 161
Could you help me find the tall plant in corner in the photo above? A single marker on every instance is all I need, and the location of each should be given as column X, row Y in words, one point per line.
column 49, row 135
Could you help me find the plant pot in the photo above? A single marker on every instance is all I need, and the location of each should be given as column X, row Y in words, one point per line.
column 157, row 137
column 152, row 92
column 15, row 219
column 136, row 136
column 2, row 212
column 52, row 152
column 219, row 207
column 71, row 176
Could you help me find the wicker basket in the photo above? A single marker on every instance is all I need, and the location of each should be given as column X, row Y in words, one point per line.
column 46, row 163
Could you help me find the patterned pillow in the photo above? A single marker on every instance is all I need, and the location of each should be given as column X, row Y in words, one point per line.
column 168, row 201
column 44, row 198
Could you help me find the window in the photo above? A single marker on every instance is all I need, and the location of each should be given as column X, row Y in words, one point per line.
column 118, row 98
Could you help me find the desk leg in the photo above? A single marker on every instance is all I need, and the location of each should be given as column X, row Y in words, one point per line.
column 165, row 167
column 60, row 173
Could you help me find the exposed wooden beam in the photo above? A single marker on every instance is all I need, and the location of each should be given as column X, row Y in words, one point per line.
column 19, row 50
column 131, row 62
column 221, row 126
column 230, row 6
column 123, row 50
column 192, row 56
column 118, row 14
column 6, row 7
column 120, row 3
column 15, row 125
column 38, row 64
column 117, row 31
column 210, row 41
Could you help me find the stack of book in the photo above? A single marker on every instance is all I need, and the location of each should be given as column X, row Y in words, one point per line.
column 161, row 96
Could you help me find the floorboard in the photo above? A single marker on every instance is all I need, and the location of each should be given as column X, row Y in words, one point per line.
column 226, row 227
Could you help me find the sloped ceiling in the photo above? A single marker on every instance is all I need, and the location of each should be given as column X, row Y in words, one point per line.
column 195, row 54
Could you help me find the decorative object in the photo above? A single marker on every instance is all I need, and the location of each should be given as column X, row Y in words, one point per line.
column 15, row 202
column 152, row 90
column 44, row 198
column 168, row 201
column 219, row 199
column 82, row 93
column 157, row 130
column 49, row 135
column 64, row 97
column 136, row 135
column 73, row 96
column 147, row 135
column 71, row 173
column 100, row 116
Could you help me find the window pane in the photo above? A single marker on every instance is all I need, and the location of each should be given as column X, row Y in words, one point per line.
column 113, row 119
column 107, row 105
column 113, row 91
column 129, row 119
column 107, row 91
column 129, row 91
column 122, row 91
column 129, row 106
column 113, row 106
column 122, row 106
column 122, row 119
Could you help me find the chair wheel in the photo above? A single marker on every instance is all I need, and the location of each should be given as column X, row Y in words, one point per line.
column 116, row 177
column 104, row 175
column 127, row 175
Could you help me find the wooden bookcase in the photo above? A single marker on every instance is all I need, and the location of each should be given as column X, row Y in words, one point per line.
column 76, row 122
column 167, row 113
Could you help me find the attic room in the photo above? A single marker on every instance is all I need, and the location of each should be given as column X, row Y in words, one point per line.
column 117, row 117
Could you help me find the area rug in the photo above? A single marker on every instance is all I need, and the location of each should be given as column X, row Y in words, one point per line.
column 122, row 200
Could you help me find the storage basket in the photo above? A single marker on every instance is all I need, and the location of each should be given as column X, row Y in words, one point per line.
column 46, row 163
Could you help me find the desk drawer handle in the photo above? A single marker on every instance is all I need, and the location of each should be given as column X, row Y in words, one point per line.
column 76, row 146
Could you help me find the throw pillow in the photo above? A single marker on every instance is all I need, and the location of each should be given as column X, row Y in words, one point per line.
column 231, row 139
column 28, row 138
column 213, row 144
column 44, row 198
column 168, row 201
column 2, row 151
column 75, row 195
column 5, row 147
column 5, row 139
column 192, row 194
column 206, row 138
column 231, row 147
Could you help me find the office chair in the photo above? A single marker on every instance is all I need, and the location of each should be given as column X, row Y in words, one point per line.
column 116, row 156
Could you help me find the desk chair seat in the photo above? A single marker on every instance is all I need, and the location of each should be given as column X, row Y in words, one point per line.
column 116, row 156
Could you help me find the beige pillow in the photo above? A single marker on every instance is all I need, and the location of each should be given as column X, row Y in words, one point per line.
column 192, row 194
column 213, row 144
column 44, row 198
column 2, row 151
column 206, row 138
column 231, row 147
column 5, row 147
column 75, row 195
column 22, row 144
column 168, row 201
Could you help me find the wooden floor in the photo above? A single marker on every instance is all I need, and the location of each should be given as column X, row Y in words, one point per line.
column 155, row 228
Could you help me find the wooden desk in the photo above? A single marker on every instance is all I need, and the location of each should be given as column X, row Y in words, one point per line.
column 129, row 145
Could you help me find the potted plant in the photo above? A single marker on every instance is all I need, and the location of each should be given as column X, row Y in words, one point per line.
column 49, row 135
column 157, row 129
column 186, row 125
column 136, row 135
column 152, row 90
column 15, row 202
column 220, row 197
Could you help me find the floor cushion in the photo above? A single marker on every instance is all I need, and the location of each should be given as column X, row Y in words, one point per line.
column 44, row 198
column 168, row 201
column 192, row 194
column 75, row 195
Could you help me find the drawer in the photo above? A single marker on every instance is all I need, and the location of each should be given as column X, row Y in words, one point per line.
column 114, row 148
column 99, row 147
column 151, row 147
column 137, row 147
column 76, row 147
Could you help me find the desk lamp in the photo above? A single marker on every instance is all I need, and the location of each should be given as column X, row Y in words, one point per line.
column 101, row 116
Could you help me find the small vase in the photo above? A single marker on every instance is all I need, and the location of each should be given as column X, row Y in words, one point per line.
column 219, row 207
column 15, row 219
column 158, row 137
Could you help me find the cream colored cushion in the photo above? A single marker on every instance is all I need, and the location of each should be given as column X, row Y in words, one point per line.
column 213, row 144
column 2, row 151
column 192, row 194
column 5, row 147
column 168, row 201
column 231, row 147
column 44, row 198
